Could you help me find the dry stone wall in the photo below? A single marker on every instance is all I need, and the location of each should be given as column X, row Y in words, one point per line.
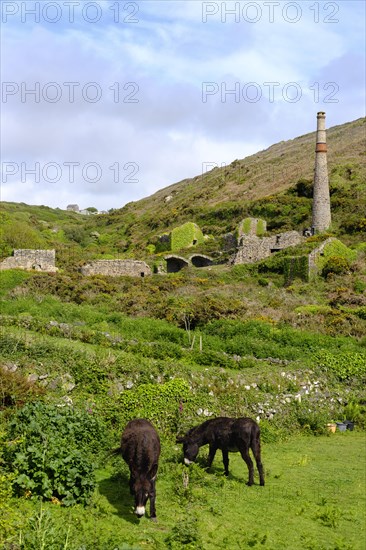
column 115, row 268
column 38, row 260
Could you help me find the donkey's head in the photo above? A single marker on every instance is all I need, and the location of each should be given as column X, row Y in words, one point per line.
column 142, row 488
column 190, row 449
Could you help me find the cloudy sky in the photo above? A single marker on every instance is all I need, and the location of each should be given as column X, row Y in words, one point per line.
column 106, row 102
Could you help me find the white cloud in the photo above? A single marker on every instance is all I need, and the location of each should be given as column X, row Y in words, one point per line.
column 150, row 77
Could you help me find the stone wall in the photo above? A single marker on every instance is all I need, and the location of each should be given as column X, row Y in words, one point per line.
column 252, row 249
column 284, row 240
column 38, row 260
column 115, row 268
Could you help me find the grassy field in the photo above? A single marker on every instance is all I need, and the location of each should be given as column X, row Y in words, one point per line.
column 314, row 499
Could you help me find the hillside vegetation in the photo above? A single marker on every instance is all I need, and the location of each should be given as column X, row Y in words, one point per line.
column 274, row 184
column 80, row 356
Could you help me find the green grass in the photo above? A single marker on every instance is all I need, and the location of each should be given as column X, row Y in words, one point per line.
column 314, row 498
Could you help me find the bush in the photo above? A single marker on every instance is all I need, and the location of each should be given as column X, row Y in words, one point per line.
column 345, row 365
column 50, row 451
column 336, row 265
column 15, row 389
column 160, row 403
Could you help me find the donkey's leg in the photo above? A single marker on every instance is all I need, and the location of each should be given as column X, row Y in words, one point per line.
column 225, row 459
column 152, row 497
column 244, row 451
column 211, row 455
column 256, row 448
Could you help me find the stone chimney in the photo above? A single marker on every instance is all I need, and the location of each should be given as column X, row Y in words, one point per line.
column 321, row 199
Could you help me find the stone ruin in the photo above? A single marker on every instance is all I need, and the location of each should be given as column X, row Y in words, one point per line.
column 175, row 263
column 252, row 249
column 37, row 260
column 116, row 268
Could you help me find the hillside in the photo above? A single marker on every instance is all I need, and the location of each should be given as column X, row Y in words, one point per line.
column 218, row 199
column 264, row 185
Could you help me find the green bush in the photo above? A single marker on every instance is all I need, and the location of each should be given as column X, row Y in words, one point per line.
column 15, row 389
column 51, row 451
column 336, row 265
column 345, row 365
column 160, row 403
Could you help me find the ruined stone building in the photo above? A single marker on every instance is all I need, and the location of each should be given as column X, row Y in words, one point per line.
column 116, row 268
column 252, row 249
column 39, row 260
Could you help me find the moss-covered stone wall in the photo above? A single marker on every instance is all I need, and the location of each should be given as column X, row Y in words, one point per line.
column 186, row 235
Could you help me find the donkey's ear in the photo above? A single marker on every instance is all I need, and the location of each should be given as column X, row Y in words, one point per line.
column 153, row 471
column 180, row 439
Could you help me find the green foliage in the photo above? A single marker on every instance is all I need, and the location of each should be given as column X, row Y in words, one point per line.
column 11, row 278
column 44, row 532
column 335, row 265
column 19, row 235
column 344, row 365
column 185, row 236
column 160, row 403
column 354, row 412
column 295, row 267
column 336, row 249
column 312, row 421
column 185, row 534
column 9, row 517
column 77, row 234
column 303, row 188
column 354, row 224
column 50, row 451
column 15, row 389
column 260, row 228
column 246, row 226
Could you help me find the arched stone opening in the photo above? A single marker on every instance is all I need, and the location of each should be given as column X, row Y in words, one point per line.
column 199, row 260
column 175, row 264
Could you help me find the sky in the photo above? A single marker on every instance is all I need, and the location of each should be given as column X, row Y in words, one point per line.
column 105, row 102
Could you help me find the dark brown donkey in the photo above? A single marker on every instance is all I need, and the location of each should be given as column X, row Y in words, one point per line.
column 229, row 435
column 140, row 448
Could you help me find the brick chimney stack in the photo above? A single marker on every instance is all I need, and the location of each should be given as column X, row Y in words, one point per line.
column 321, row 198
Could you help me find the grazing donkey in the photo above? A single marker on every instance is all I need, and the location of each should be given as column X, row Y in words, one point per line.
column 140, row 448
column 227, row 434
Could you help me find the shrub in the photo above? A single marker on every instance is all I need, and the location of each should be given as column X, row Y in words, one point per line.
column 344, row 365
column 15, row 389
column 160, row 403
column 336, row 265
column 50, row 452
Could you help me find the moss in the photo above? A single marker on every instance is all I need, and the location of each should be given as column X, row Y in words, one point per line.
column 186, row 235
column 261, row 228
column 247, row 225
